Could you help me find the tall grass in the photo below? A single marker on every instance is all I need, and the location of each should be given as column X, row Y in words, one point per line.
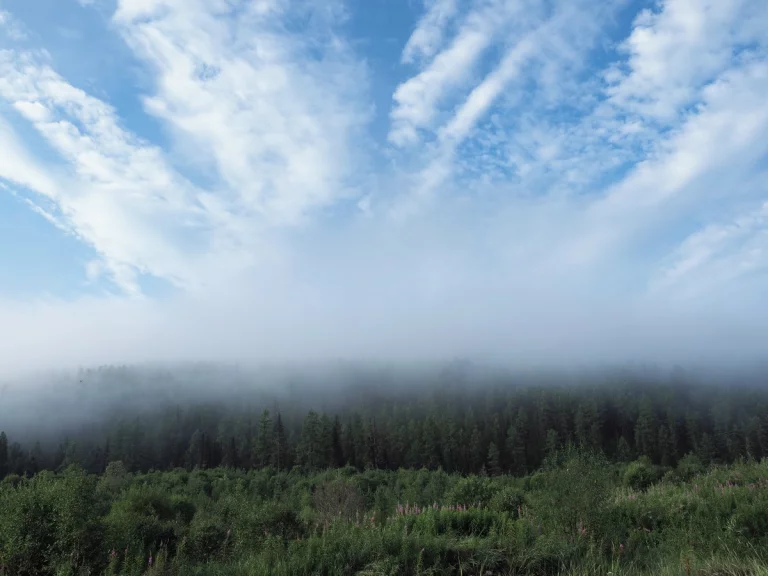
column 579, row 515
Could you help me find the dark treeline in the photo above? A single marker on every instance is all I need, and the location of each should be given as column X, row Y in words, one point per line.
column 501, row 425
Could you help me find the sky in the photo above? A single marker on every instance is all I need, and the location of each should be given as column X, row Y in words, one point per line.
column 524, row 180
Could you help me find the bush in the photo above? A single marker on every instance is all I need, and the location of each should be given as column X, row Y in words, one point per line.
column 508, row 499
column 640, row 474
column 689, row 466
column 338, row 500
column 471, row 491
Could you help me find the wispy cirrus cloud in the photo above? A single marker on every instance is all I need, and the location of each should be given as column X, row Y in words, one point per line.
column 114, row 191
column 240, row 92
column 418, row 99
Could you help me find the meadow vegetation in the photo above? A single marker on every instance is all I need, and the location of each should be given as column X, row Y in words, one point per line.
column 578, row 514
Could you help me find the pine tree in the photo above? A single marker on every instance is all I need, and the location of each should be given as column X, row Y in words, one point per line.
column 516, row 444
column 432, row 452
column 336, row 445
column 623, row 450
column 520, row 452
column 588, row 426
column 553, row 442
column 37, row 459
column 325, row 459
column 229, row 460
column 371, row 445
column 477, row 450
column 360, row 443
column 414, row 457
column 492, row 461
column 280, row 445
column 310, row 448
column 674, row 436
column 762, row 431
column 349, row 445
column 752, row 439
column 692, row 430
column 3, row 455
column 194, row 457
column 646, row 430
column 264, row 441
column 737, row 443
column 451, row 454
column 706, row 450
column 720, row 437
column 665, row 448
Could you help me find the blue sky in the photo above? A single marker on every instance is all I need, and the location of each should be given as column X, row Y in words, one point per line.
column 243, row 178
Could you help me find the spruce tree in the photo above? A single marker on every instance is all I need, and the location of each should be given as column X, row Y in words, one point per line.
column 646, row 431
column 336, row 444
column 623, row 450
column 492, row 461
column 280, row 445
column 665, row 446
column 3, row 455
column 264, row 441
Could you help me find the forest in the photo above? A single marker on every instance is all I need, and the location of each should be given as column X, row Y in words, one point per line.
column 123, row 470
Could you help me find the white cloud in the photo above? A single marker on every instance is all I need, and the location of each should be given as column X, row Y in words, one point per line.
column 725, row 137
column 10, row 27
column 120, row 196
column 539, row 49
column 427, row 37
column 714, row 257
column 246, row 93
column 416, row 100
column 684, row 45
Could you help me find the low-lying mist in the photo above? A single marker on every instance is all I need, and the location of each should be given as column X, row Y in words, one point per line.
column 53, row 403
column 519, row 290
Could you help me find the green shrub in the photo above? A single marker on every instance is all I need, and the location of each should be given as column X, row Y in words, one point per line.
column 640, row 474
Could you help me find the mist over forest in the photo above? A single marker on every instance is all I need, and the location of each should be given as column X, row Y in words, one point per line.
column 153, row 416
column 60, row 399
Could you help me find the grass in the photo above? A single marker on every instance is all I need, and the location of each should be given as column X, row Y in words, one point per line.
column 581, row 516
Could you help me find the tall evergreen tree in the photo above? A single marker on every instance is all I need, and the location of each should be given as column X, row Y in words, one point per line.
column 309, row 451
column 623, row 450
column 3, row 455
column 665, row 448
column 553, row 442
column 337, row 449
column 264, row 441
column 706, row 449
column 477, row 451
column 280, row 452
column 493, row 460
column 646, row 430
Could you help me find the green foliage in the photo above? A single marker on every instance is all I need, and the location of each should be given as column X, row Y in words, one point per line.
column 578, row 515
column 473, row 490
column 509, row 499
column 689, row 466
column 51, row 523
column 641, row 473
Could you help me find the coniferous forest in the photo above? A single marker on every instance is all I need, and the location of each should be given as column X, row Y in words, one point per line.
column 362, row 471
